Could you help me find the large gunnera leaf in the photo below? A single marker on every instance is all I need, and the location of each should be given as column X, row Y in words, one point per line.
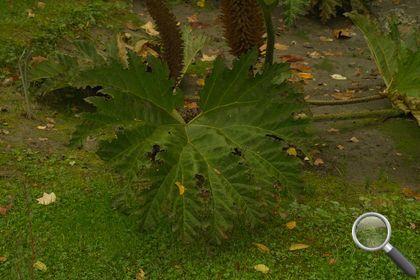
column 225, row 166
column 398, row 62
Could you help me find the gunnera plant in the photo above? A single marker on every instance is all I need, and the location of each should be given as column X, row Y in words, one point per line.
column 228, row 165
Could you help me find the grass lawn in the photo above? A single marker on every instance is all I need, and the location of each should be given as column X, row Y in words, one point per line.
column 81, row 236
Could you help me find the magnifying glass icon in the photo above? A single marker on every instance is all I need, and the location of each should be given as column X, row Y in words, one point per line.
column 371, row 232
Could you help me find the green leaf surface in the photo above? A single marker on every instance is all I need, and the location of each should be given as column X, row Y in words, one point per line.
column 193, row 43
column 230, row 160
column 383, row 49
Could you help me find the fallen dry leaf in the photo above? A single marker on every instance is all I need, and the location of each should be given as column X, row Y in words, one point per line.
column 30, row 13
column 140, row 275
column 41, row 4
column 332, row 261
column 192, row 18
column 3, row 211
column 318, row 162
column 201, row 3
column 291, row 225
column 291, row 151
column 150, row 29
column 314, row 54
column 200, row 82
column 181, row 188
column 354, row 140
column 40, row 266
column 340, row 147
column 262, row 247
column 338, row 77
column 333, row 130
column 37, row 59
column 298, row 246
column 300, row 116
column 4, row 132
column 325, row 39
column 412, row 225
column 3, row 259
column 262, row 268
column 410, row 193
column 305, row 76
column 291, row 58
column 301, row 67
column 343, row 33
column 47, row 199
column 281, row 47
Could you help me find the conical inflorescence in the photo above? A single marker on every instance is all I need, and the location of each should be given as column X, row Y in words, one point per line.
column 244, row 25
column 173, row 50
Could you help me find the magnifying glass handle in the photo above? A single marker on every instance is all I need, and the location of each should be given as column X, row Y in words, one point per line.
column 400, row 260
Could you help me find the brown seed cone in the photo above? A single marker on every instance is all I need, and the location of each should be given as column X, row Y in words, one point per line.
column 244, row 25
column 170, row 33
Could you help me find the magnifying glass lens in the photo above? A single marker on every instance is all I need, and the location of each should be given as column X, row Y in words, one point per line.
column 371, row 232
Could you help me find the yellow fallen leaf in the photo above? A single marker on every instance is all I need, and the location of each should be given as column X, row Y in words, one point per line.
column 262, row 268
column 47, row 199
column 298, row 246
column 292, row 151
column 301, row 67
column 200, row 82
column 201, row 3
column 181, row 188
column 305, row 76
column 40, row 266
column 140, row 275
column 150, row 29
column 262, row 247
column 281, row 47
column 291, row 225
